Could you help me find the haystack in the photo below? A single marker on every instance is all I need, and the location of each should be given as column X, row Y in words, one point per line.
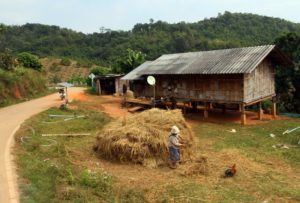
column 143, row 138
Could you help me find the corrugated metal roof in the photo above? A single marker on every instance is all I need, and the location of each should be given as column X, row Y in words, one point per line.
column 133, row 74
column 226, row 61
column 108, row 76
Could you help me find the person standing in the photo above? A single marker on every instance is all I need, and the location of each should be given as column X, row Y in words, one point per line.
column 174, row 146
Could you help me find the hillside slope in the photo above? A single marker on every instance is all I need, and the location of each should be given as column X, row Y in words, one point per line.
column 154, row 38
column 56, row 72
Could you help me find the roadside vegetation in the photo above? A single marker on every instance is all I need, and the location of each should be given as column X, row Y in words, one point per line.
column 21, row 78
column 66, row 169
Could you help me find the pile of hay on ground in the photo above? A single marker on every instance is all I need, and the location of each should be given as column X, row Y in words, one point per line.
column 143, row 138
column 198, row 167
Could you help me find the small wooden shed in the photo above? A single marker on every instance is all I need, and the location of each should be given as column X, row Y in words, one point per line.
column 109, row 84
column 240, row 76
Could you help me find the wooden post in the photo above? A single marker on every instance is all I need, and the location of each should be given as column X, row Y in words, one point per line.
column 240, row 108
column 67, row 96
column 154, row 95
column 260, row 111
column 98, row 87
column 274, row 109
column 205, row 113
column 243, row 115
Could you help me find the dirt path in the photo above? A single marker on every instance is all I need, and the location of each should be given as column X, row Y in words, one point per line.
column 10, row 119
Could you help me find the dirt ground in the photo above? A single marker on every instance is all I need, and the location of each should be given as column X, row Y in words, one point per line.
column 112, row 106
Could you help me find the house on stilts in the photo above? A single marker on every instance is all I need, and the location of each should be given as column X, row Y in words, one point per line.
column 238, row 76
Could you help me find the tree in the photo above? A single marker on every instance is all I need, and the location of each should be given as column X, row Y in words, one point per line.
column 2, row 28
column 29, row 61
column 132, row 60
column 288, row 78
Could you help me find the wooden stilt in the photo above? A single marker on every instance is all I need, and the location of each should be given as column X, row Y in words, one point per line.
column 274, row 108
column 260, row 111
column 205, row 111
column 243, row 115
column 240, row 108
column 98, row 87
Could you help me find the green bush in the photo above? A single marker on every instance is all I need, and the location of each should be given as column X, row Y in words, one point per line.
column 29, row 61
column 101, row 70
column 65, row 62
column 267, row 104
column 6, row 60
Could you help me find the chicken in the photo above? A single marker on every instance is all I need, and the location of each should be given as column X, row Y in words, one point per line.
column 230, row 172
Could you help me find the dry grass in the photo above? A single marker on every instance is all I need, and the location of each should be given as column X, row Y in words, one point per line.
column 142, row 138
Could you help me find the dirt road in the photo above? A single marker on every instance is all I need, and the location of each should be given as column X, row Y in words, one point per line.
column 10, row 119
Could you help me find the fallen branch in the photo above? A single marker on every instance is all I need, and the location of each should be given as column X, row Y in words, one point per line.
column 66, row 135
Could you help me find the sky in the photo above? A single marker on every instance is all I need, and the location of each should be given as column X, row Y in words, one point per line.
column 89, row 15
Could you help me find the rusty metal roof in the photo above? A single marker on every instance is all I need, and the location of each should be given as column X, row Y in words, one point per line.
column 226, row 61
column 133, row 74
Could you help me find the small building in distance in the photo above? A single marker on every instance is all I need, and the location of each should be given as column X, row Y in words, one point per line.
column 109, row 84
column 239, row 76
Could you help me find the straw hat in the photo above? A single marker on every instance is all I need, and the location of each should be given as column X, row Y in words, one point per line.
column 175, row 130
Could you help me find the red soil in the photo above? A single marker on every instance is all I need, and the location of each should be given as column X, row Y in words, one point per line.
column 17, row 93
column 112, row 106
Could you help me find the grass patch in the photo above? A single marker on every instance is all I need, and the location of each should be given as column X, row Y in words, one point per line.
column 48, row 165
column 255, row 140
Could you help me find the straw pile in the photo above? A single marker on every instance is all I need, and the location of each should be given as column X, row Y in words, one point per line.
column 130, row 94
column 198, row 167
column 143, row 138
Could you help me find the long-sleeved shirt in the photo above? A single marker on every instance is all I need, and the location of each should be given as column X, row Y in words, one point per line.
column 173, row 141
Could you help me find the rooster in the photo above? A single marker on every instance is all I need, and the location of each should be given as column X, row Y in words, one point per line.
column 230, row 172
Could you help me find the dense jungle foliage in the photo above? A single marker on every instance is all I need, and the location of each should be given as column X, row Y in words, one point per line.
column 228, row 30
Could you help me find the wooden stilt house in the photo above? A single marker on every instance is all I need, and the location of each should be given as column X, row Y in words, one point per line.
column 240, row 76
